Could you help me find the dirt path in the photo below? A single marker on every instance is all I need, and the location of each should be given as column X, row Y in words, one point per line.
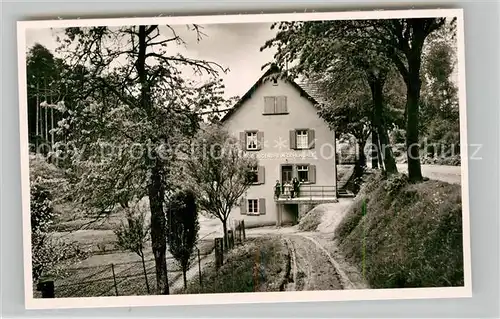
column 315, row 261
column 313, row 266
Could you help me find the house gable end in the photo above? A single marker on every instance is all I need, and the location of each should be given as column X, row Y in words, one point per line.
column 273, row 70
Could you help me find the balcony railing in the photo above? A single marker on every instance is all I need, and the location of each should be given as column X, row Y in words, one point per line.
column 310, row 192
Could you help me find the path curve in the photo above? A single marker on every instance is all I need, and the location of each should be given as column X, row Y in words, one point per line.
column 311, row 266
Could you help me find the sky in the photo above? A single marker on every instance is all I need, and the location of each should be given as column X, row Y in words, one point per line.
column 235, row 46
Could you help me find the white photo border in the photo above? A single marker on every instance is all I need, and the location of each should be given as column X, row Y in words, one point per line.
column 235, row 298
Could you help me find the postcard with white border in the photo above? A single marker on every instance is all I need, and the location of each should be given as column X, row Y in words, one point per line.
column 244, row 158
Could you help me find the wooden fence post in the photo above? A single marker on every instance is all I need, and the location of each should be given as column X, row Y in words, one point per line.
column 243, row 230
column 46, row 287
column 199, row 268
column 219, row 251
column 237, row 231
column 230, row 239
column 114, row 278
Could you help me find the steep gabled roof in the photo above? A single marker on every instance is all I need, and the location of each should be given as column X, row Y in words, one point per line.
column 305, row 90
column 313, row 90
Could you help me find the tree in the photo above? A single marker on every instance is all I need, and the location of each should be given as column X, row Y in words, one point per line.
column 351, row 117
column 218, row 171
column 400, row 40
column 182, row 216
column 439, row 105
column 135, row 100
column 133, row 235
column 41, row 79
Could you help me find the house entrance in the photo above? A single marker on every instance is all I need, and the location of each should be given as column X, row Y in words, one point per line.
column 286, row 173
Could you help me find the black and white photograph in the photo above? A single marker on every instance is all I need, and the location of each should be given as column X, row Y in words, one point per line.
column 244, row 158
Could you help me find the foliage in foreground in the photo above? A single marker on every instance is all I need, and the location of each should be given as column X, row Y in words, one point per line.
column 183, row 227
column 217, row 171
column 412, row 233
column 49, row 254
column 133, row 236
column 260, row 265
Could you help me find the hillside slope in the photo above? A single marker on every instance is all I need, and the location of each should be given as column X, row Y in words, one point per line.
column 409, row 236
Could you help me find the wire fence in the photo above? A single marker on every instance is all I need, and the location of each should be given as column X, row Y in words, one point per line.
column 122, row 279
column 131, row 278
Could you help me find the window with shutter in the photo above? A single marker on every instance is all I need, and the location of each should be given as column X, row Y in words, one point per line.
column 254, row 175
column 243, row 141
column 252, row 207
column 261, row 175
column 260, row 140
column 275, row 105
column 243, row 206
column 251, row 141
column 302, row 139
column 311, row 139
column 262, row 206
column 281, row 106
column 269, row 102
column 303, row 173
column 293, row 140
column 312, row 173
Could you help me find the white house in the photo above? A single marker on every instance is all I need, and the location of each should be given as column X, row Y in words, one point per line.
column 277, row 120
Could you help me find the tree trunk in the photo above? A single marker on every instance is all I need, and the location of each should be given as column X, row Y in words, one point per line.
column 46, row 118
column 52, row 128
column 158, row 234
column 380, row 156
column 145, row 272
column 224, row 228
column 156, row 190
column 37, row 116
column 412, row 121
column 374, row 155
column 361, row 154
column 361, row 162
column 376, row 85
column 184, row 276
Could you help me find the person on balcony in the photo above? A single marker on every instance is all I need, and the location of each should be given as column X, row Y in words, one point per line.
column 277, row 189
column 287, row 188
column 295, row 187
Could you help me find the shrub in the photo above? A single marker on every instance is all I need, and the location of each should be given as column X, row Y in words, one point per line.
column 395, row 183
column 259, row 265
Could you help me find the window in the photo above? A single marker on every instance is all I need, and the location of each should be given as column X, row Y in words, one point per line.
column 275, row 81
column 275, row 105
column 251, row 140
column 253, row 206
column 303, row 173
column 254, row 174
column 302, row 140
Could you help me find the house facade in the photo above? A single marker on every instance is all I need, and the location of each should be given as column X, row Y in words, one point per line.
column 277, row 121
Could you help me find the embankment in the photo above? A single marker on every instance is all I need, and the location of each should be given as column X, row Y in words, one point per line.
column 409, row 235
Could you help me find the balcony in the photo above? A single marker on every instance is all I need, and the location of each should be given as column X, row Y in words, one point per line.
column 310, row 194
